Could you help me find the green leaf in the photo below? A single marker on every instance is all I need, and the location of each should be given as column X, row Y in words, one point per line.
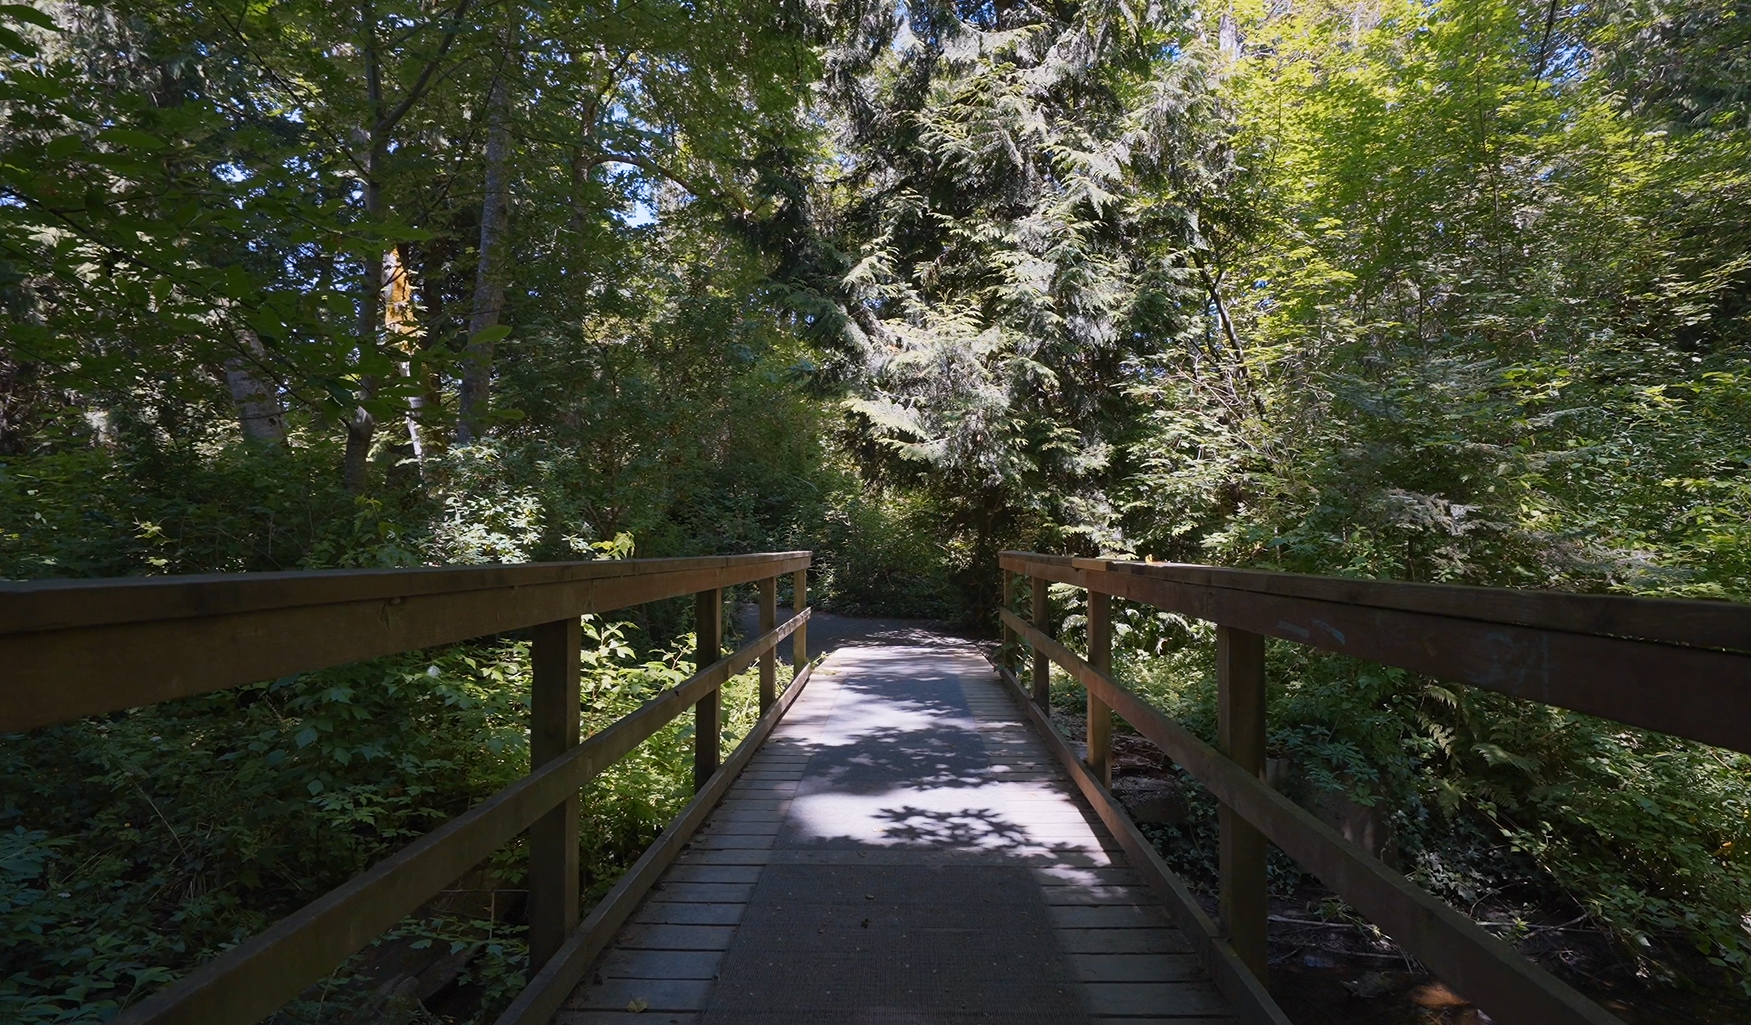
column 63, row 146
column 16, row 43
column 487, row 336
column 131, row 137
column 29, row 15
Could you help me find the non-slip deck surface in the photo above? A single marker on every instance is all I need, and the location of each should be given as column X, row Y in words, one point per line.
column 903, row 851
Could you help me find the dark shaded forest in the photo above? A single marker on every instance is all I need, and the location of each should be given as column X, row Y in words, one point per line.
column 1401, row 289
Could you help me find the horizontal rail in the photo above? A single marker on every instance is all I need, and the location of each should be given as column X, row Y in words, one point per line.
column 1488, row 971
column 258, row 976
column 73, row 648
column 1661, row 665
column 1691, row 623
column 545, row 994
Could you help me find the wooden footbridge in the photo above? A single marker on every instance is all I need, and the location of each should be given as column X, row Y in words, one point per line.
column 903, row 837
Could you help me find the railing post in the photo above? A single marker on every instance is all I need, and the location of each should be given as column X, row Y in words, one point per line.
column 1006, row 654
column 1042, row 664
column 1100, row 717
column 768, row 661
column 1240, row 734
column 553, row 839
column 707, row 714
column 799, row 640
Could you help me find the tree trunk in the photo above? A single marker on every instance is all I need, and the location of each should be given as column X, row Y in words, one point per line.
column 401, row 328
column 259, row 412
column 489, row 293
column 362, row 426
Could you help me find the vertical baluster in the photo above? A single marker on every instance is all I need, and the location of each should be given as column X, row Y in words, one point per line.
column 553, row 839
column 768, row 661
column 800, row 640
column 1006, row 655
column 1240, row 729
column 707, row 714
column 1100, row 717
column 1042, row 664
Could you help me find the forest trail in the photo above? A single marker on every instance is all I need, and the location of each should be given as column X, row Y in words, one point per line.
column 903, row 848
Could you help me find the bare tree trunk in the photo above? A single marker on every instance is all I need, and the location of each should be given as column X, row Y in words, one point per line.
column 402, row 329
column 259, row 412
column 489, row 293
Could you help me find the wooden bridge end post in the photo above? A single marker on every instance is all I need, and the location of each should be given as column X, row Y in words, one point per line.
column 708, row 713
column 800, row 603
column 1042, row 664
column 1240, row 730
column 1100, row 717
column 553, row 838
column 769, row 660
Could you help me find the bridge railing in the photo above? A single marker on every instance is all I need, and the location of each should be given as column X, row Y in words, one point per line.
column 1678, row 667
column 78, row 648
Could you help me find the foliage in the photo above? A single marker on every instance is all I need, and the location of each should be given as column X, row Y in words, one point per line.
column 187, row 826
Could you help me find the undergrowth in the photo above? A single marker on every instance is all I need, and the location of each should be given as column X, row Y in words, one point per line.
column 138, row 845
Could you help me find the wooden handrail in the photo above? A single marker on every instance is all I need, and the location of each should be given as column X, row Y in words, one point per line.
column 1679, row 667
column 72, row 648
column 1683, row 667
column 1475, row 963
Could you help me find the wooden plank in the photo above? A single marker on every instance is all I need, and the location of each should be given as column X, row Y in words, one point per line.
column 34, row 606
column 1108, row 916
column 658, row 995
column 1123, row 941
column 659, row 937
column 706, row 893
column 660, row 964
column 1176, row 999
column 664, row 912
column 1240, row 729
column 711, row 874
column 1686, row 691
column 1251, row 1000
column 1488, row 971
column 120, row 654
column 254, row 978
column 626, row 1018
column 1137, row 967
column 553, row 838
column 1703, row 624
column 547, row 990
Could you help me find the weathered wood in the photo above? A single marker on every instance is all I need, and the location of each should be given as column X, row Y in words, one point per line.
column 1247, row 992
column 74, row 648
column 1687, row 691
column 799, row 584
column 1100, row 717
column 1042, row 667
column 1702, row 624
column 253, row 979
column 768, row 661
column 553, row 839
column 1240, row 735
column 1006, row 655
column 547, row 990
column 708, row 713
column 1488, row 971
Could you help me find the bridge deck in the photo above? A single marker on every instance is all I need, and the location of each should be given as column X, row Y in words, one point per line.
column 903, row 850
